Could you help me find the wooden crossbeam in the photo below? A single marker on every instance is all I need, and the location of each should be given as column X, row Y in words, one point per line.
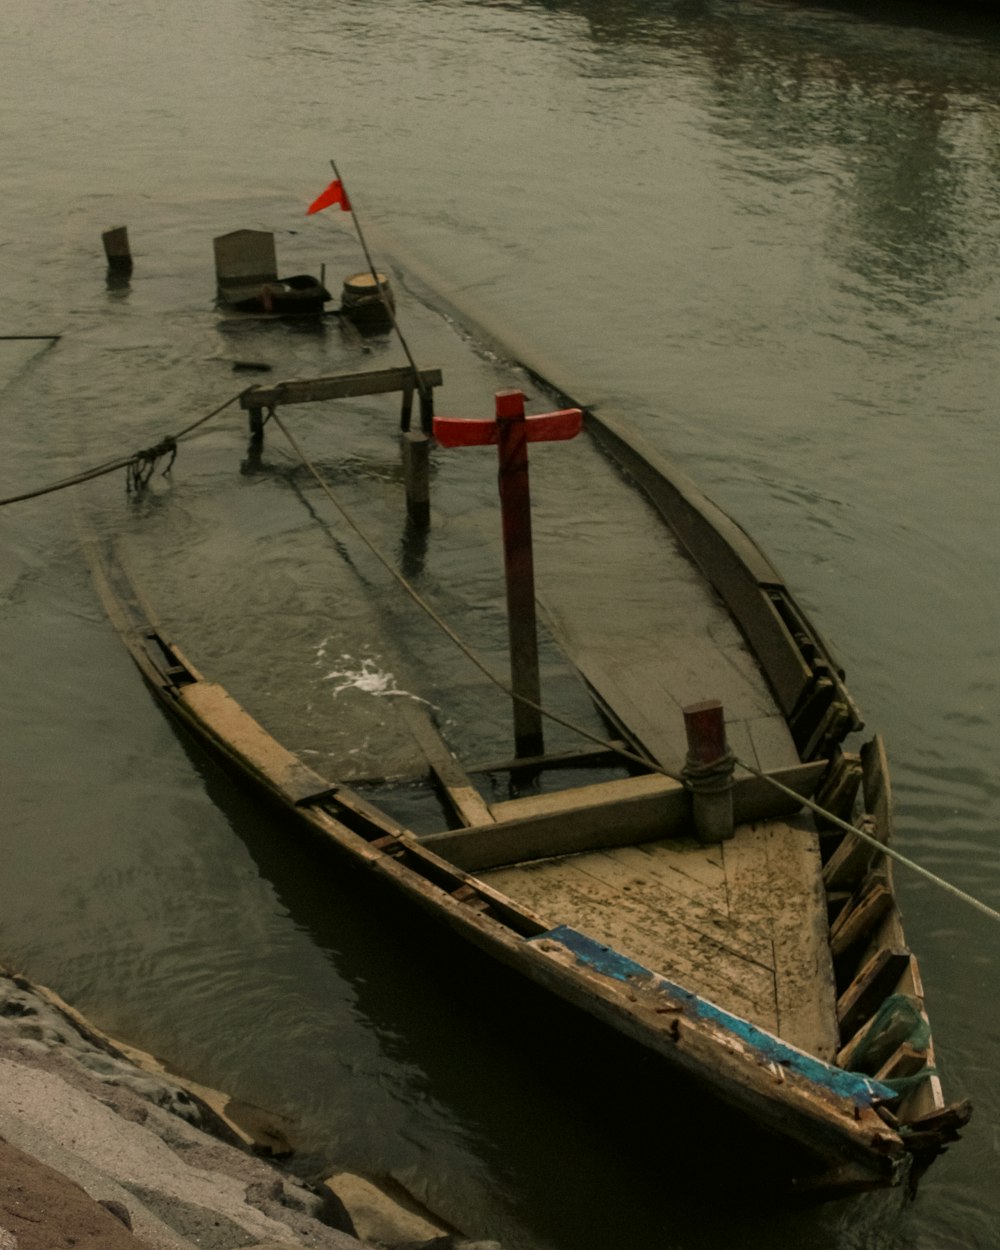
column 466, row 800
column 337, row 386
column 611, row 813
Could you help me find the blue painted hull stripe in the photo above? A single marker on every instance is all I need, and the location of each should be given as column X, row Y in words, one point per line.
column 861, row 1090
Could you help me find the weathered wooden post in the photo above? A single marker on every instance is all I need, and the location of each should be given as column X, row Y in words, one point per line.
column 116, row 249
column 416, row 453
column 427, row 410
column 416, row 475
column 515, row 511
column 512, row 431
column 708, row 771
column 256, row 421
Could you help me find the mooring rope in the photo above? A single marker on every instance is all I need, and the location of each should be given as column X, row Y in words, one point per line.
column 597, row 739
column 139, row 464
column 847, row 827
column 443, row 625
column 143, row 464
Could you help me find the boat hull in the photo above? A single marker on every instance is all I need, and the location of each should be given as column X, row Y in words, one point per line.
column 832, row 1117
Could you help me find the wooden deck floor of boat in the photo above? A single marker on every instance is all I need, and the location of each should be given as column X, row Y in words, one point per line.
column 742, row 923
column 645, row 629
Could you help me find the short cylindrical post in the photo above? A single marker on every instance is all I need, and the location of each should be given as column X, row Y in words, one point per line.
column 708, row 771
column 416, row 473
column 515, row 507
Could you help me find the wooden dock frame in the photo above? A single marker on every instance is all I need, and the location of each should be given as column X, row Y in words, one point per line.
column 415, row 443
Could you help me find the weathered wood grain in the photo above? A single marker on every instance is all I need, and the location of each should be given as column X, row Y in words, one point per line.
column 803, row 969
column 653, row 929
column 466, row 800
column 741, row 923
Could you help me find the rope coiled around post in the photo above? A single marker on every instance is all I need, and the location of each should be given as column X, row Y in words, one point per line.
column 715, row 777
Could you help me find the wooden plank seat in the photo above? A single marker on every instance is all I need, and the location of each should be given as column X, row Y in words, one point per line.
column 625, row 812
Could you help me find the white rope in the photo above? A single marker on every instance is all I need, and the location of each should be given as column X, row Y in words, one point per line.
column 881, row 846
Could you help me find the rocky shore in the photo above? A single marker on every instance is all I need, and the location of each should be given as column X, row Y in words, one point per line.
column 102, row 1149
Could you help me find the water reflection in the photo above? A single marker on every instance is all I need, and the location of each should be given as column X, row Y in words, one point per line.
column 888, row 125
column 631, row 21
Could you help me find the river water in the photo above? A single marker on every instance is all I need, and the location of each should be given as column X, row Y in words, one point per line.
column 770, row 235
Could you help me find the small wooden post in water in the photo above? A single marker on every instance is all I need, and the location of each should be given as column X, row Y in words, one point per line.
column 256, row 419
column 416, row 454
column 708, row 771
column 512, row 431
column 416, row 475
column 116, row 249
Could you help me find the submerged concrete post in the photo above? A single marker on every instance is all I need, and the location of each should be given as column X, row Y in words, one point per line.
column 708, row 771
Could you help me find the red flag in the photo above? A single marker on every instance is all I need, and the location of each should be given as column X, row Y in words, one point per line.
column 334, row 194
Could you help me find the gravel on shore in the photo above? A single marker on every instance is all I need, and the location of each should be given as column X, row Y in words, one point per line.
column 102, row 1149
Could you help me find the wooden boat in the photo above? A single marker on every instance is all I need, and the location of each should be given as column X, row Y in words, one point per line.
column 301, row 295
column 247, row 279
column 769, row 967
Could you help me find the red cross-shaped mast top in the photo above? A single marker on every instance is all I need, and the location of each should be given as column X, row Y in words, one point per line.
column 511, row 431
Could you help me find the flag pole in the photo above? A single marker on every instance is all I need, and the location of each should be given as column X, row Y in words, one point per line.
column 422, row 387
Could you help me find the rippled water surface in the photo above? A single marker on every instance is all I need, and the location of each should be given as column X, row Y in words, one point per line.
column 767, row 234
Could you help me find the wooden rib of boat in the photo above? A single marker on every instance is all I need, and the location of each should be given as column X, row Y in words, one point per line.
column 770, row 967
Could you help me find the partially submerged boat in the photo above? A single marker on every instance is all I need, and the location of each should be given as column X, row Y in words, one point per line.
column 765, row 960
column 246, row 273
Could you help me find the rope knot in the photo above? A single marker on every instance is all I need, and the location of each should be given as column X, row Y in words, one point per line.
column 143, row 464
column 710, row 778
